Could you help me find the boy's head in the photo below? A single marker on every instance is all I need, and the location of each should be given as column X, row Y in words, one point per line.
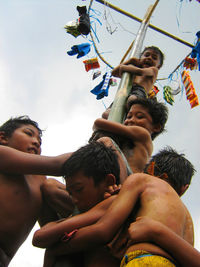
column 21, row 133
column 147, row 113
column 179, row 170
column 89, row 172
column 156, row 55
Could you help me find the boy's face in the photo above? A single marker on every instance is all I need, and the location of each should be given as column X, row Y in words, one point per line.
column 26, row 139
column 138, row 115
column 84, row 192
column 150, row 59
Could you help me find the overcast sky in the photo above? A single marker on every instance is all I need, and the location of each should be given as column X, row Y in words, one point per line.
column 39, row 79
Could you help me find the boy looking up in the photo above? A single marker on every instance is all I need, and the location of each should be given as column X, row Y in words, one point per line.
column 21, row 201
column 142, row 195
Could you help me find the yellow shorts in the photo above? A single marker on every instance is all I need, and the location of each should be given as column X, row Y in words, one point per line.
column 143, row 258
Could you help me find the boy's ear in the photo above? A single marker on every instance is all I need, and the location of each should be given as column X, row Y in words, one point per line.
column 110, row 179
column 3, row 138
column 156, row 128
column 183, row 189
column 110, row 186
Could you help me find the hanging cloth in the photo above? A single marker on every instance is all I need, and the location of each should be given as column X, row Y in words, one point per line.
column 83, row 20
column 101, row 89
column 81, row 50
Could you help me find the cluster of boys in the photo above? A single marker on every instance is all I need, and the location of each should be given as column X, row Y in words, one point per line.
column 120, row 206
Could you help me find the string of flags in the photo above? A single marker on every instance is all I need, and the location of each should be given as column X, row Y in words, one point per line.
column 191, row 63
column 82, row 26
column 189, row 89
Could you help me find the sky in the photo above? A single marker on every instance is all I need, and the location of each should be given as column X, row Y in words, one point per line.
column 40, row 80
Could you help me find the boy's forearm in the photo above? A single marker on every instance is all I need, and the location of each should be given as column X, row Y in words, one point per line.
column 180, row 249
column 133, row 61
column 25, row 163
column 49, row 259
column 84, row 239
column 107, row 226
column 53, row 232
column 135, row 133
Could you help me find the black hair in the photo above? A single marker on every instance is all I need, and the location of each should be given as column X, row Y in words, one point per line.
column 157, row 110
column 95, row 160
column 178, row 169
column 156, row 50
column 14, row 123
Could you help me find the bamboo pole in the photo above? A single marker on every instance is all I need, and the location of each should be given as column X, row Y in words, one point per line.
column 150, row 25
column 117, row 112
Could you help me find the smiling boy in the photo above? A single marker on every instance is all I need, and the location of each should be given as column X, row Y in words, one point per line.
column 145, row 120
column 144, row 70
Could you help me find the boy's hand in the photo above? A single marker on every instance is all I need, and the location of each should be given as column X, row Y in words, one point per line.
column 126, row 67
column 142, row 230
column 112, row 190
column 134, row 61
column 57, row 197
column 116, row 71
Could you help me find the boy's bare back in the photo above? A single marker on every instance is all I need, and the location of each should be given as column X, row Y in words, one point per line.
column 160, row 202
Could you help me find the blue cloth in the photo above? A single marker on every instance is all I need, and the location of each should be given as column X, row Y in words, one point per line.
column 196, row 50
column 81, row 50
column 101, row 89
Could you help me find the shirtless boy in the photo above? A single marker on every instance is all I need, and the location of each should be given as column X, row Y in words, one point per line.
column 90, row 173
column 21, row 202
column 145, row 120
column 142, row 195
column 144, row 70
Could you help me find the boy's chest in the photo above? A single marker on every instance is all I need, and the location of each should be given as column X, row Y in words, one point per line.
column 21, row 191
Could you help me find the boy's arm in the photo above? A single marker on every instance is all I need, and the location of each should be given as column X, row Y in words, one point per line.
column 57, row 197
column 49, row 259
column 135, row 133
column 54, row 231
column 150, row 72
column 133, row 61
column 149, row 230
column 56, row 202
column 105, row 229
column 25, row 163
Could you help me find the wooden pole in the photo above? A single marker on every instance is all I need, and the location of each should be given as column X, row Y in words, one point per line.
column 117, row 112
